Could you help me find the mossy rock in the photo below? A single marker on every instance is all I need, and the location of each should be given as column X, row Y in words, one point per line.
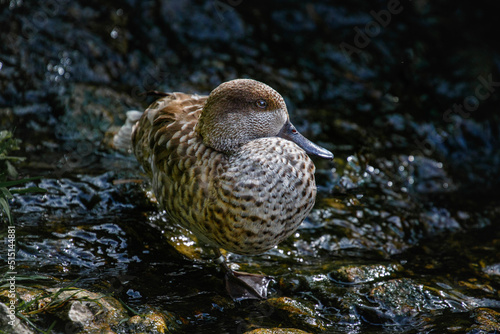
column 296, row 313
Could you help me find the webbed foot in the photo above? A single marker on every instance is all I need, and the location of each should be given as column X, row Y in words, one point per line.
column 241, row 285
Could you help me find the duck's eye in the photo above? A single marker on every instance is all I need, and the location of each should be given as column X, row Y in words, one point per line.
column 261, row 103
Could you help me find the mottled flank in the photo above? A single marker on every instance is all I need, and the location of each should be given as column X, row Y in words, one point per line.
column 219, row 168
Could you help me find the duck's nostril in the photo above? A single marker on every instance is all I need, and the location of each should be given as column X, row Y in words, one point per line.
column 289, row 132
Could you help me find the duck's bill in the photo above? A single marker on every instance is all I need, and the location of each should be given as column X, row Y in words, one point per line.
column 289, row 132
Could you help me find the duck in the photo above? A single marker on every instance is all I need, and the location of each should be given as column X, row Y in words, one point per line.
column 231, row 168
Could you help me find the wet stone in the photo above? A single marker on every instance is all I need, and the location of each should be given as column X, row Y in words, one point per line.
column 405, row 297
column 78, row 310
column 82, row 311
column 493, row 270
column 153, row 321
column 28, row 296
column 90, row 111
column 296, row 313
column 486, row 321
column 88, row 311
column 364, row 273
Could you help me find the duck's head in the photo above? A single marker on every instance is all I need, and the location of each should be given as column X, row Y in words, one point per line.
column 241, row 110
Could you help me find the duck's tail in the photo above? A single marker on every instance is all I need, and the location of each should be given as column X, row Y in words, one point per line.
column 122, row 141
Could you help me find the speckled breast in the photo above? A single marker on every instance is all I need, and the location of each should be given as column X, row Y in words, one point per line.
column 246, row 202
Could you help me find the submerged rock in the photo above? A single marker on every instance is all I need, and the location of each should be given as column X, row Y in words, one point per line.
column 355, row 274
column 153, row 321
column 405, row 298
column 487, row 321
column 296, row 313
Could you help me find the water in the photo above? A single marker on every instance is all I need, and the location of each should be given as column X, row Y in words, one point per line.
column 404, row 234
column 352, row 263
